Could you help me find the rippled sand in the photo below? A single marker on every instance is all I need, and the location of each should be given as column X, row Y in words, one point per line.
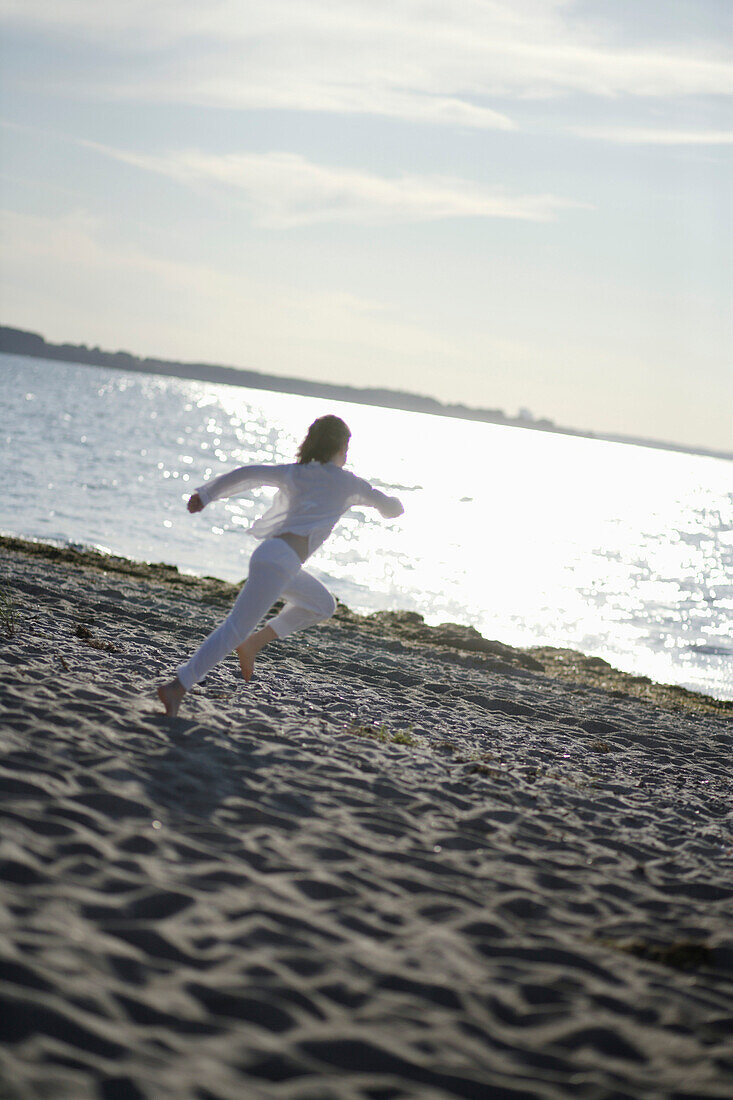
column 388, row 868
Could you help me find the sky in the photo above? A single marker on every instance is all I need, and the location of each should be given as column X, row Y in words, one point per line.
column 514, row 204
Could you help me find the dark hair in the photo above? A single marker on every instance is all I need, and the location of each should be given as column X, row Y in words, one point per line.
column 326, row 437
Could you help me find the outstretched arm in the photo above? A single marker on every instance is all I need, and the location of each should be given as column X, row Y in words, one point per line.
column 244, row 477
column 388, row 507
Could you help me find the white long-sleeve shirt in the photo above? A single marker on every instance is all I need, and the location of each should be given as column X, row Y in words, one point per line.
column 311, row 499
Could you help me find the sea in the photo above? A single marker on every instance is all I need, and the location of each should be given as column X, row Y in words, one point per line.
column 621, row 551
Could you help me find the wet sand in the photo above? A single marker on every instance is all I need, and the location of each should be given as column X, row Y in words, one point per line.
column 403, row 862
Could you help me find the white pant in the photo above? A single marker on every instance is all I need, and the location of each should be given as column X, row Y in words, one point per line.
column 274, row 571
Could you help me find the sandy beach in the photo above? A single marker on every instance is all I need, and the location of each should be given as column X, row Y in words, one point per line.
column 403, row 862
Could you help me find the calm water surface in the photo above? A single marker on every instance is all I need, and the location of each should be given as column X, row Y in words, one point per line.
column 620, row 551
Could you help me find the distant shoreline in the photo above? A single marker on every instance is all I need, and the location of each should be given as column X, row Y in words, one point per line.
column 15, row 341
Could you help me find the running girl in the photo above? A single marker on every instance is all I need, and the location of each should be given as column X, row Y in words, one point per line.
column 313, row 494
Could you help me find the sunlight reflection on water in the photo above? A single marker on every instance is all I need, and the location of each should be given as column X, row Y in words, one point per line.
column 620, row 551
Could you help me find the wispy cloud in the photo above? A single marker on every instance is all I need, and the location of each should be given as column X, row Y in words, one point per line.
column 438, row 62
column 633, row 135
column 283, row 190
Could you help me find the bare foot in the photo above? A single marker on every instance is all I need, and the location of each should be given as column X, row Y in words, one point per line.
column 249, row 649
column 247, row 652
column 171, row 695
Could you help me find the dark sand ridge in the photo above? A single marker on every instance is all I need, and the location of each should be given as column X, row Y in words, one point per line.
column 565, row 664
column 385, row 869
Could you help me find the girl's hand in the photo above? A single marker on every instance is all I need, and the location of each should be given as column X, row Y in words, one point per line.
column 195, row 503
